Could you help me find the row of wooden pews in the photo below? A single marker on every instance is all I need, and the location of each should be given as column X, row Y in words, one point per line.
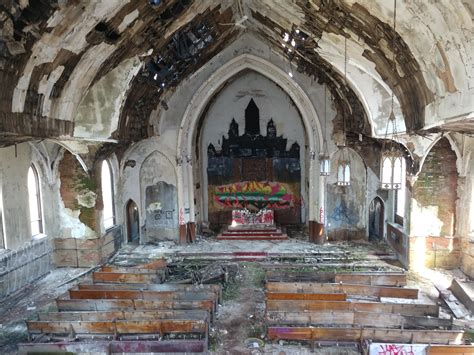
column 353, row 307
column 127, row 309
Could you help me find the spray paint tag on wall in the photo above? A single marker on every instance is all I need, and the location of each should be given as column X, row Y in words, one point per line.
column 397, row 349
column 321, row 215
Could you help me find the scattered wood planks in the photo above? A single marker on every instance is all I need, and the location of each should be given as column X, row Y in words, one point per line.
column 464, row 291
column 359, row 334
column 351, row 290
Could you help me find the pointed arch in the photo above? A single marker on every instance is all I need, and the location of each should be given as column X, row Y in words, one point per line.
column 35, row 201
column 208, row 90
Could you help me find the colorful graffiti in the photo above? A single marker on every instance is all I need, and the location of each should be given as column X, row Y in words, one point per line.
column 263, row 194
column 397, row 349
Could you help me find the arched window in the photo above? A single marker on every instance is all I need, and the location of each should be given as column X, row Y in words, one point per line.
column 34, row 195
column 107, row 195
column 392, row 174
column 400, row 194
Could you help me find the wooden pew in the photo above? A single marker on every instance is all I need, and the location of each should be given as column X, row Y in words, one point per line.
column 116, row 346
column 364, row 278
column 408, row 309
column 123, row 315
column 101, row 305
column 450, row 350
column 306, row 296
column 127, row 277
column 354, row 318
column 118, row 327
column 349, row 289
column 217, row 289
column 359, row 334
column 373, row 279
column 144, row 295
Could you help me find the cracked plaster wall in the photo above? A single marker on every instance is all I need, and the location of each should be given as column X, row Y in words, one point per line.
column 98, row 114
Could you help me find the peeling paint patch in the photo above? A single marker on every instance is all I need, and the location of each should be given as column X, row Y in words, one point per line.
column 86, row 198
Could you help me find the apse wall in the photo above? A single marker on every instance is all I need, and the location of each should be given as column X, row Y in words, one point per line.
column 261, row 159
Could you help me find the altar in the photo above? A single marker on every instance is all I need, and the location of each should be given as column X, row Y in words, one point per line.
column 243, row 217
column 247, row 225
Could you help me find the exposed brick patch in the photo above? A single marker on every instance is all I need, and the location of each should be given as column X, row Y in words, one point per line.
column 74, row 181
column 437, row 184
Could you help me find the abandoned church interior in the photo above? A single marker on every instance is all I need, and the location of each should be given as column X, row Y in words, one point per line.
column 237, row 176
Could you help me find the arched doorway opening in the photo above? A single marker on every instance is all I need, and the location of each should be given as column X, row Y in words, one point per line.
column 376, row 219
column 133, row 222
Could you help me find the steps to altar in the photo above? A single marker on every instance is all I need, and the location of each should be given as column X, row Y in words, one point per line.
column 252, row 233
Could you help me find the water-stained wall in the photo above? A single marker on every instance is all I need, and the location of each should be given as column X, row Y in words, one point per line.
column 346, row 206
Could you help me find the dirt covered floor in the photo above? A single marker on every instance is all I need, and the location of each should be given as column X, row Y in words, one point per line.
column 240, row 266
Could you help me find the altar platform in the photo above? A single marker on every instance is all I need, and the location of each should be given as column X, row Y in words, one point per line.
column 252, row 232
column 252, row 226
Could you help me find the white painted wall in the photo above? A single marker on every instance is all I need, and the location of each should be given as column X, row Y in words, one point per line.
column 16, row 218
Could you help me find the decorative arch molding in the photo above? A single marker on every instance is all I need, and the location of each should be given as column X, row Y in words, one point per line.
column 209, row 89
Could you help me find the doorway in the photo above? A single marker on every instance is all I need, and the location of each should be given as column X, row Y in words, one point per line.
column 376, row 219
column 133, row 222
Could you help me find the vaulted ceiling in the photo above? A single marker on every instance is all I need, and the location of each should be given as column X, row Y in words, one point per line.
column 58, row 59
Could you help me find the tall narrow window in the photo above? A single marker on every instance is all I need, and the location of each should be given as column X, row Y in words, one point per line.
column 400, row 194
column 34, row 196
column 108, row 195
